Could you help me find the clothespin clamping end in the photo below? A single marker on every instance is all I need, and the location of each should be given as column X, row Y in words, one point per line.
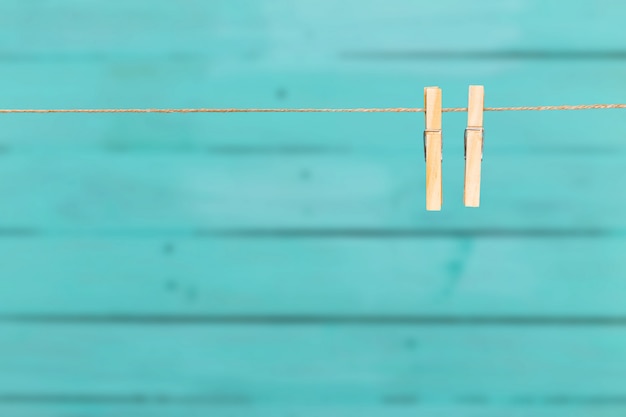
column 433, row 145
column 474, row 142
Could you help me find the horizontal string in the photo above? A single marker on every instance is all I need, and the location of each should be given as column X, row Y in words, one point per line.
column 354, row 110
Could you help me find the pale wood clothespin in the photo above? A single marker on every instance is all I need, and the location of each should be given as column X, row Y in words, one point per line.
column 474, row 141
column 433, row 148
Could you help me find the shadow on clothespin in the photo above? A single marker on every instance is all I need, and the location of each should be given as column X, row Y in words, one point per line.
column 433, row 148
column 474, row 142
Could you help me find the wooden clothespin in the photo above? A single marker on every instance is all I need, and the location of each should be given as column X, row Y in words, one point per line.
column 474, row 140
column 433, row 148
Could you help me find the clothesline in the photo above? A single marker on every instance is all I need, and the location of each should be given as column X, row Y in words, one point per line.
column 319, row 110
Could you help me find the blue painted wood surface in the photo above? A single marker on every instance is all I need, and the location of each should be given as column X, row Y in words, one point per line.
column 263, row 264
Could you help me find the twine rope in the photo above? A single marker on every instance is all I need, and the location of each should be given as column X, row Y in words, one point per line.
column 321, row 110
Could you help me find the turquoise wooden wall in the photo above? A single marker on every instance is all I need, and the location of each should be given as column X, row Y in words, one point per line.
column 283, row 264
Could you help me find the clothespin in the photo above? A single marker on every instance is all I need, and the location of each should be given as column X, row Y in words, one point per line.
column 433, row 148
column 474, row 141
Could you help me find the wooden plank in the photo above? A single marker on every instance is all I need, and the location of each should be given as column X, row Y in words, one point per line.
column 322, row 366
column 245, row 29
column 194, row 410
column 358, row 277
column 324, row 211
column 94, row 84
column 183, row 193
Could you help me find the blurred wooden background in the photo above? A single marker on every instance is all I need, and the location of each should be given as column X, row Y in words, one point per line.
column 283, row 264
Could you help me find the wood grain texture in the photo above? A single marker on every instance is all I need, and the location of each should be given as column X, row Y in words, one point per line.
column 161, row 408
column 283, row 265
column 133, row 193
column 420, row 275
column 317, row 366
column 278, row 29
